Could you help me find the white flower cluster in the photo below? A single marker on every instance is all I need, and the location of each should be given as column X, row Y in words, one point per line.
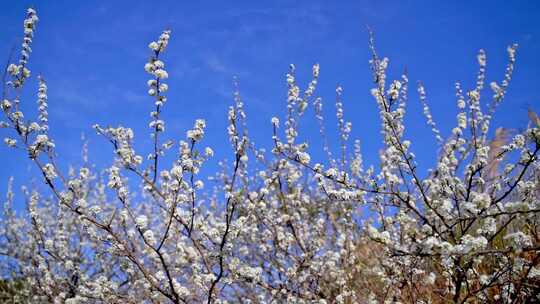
column 197, row 133
column 161, row 44
column 156, row 88
column 10, row 142
column 123, row 139
column 42, row 105
column 20, row 71
column 427, row 113
column 49, row 171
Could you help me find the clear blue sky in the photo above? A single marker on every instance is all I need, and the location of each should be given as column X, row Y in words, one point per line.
column 92, row 55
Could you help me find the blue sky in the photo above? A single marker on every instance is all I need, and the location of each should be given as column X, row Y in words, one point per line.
column 92, row 55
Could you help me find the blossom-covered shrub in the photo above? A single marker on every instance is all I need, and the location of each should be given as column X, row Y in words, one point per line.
column 279, row 227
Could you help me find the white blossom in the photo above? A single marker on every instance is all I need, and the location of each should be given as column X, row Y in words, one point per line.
column 281, row 223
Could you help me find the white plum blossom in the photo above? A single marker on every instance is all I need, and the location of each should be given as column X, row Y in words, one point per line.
column 282, row 222
column 197, row 132
column 49, row 171
column 10, row 142
column 142, row 221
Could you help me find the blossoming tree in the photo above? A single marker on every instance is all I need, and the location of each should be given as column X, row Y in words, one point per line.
column 279, row 228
